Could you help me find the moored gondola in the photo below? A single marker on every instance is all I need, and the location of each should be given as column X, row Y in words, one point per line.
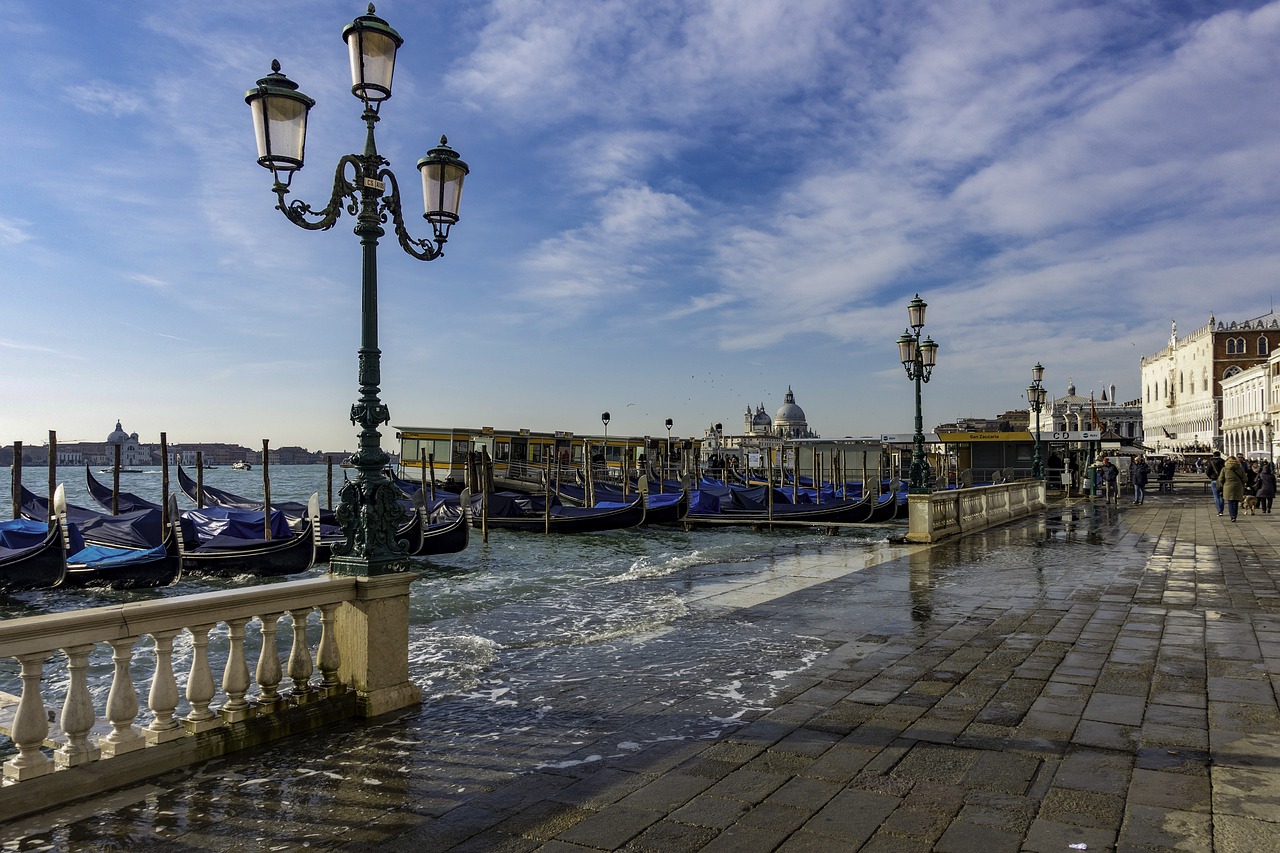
column 230, row 556
column 41, row 564
column 511, row 511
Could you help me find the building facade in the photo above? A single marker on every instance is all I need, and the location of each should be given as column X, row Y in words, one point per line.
column 1246, row 416
column 1182, row 393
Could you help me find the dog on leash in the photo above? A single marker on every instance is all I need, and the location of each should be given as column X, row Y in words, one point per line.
column 1250, row 504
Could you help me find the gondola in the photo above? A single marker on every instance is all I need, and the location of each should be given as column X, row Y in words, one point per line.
column 41, row 564
column 126, row 502
column 128, row 551
column 512, row 511
column 715, row 503
column 447, row 531
column 330, row 531
column 660, row 508
column 230, row 556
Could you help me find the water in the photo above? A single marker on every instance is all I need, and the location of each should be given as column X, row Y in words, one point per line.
column 492, row 626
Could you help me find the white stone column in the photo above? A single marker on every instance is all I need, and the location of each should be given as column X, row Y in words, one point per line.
column 373, row 639
column 163, row 696
column 122, row 704
column 30, row 725
column 78, row 715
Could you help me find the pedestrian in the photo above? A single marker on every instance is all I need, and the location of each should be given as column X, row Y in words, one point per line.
column 1139, row 473
column 1266, row 487
column 1231, row 484
column 1109, row 474
column 1212, row 470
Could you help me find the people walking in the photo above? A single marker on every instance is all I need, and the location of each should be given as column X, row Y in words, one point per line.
column 1231, row 484
column 1139, row 473
column 1110, row 475
column 1213, row 470
column 1266, row 488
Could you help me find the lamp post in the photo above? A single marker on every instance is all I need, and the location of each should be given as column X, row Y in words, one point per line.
column 1035, row 399
column 604, row 451
column 366, row 188
column 666, row 462
column 918, row 357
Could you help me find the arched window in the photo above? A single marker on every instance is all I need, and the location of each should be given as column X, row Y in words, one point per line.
column 1231, row 346
column 1262, row 344
column 1181, row 388
column 1241, row 349
column 1231, row 371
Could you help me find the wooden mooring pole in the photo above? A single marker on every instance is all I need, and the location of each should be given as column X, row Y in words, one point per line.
column 15, row 479
column 266, row 492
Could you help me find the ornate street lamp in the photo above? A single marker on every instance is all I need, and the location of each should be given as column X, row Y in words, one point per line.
column 918, row 357
column 367, row 189
column 666, row 462
column 1035, row 399
column 604, row 451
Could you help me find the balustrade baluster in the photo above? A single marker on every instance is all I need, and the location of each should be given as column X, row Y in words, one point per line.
column 163, row 698
column 30, row 725
column 200, row 683
column 268, row 672
column 77, row 712
column 122, row 703
column 328, row 658
column 235, row 676
column 300, row 666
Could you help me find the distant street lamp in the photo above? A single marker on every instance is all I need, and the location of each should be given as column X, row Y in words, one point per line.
column 918, row 357
column 666, row 468
column 363, row 185
column 604, row 451
column 1036, row 396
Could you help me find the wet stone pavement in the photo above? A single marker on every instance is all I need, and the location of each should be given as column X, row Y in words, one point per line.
column 1100, row 678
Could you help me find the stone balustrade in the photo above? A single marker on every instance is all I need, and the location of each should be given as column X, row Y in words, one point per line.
column 951, row 512
column 358, row 668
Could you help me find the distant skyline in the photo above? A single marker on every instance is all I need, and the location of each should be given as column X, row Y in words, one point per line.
column 675, row 209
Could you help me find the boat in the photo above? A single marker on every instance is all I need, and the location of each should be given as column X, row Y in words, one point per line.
column 122, row 470
column 241, row 466
column 127, row 551
column 660, row 508
column 716, row 503
column 33, row 554
column 125, row 501
column 513, row 511
column 229, row 555
column 411, row 530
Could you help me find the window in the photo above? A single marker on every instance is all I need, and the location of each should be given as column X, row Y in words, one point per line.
column 1231, row 371
column 1262, row 344
column 1181, row 387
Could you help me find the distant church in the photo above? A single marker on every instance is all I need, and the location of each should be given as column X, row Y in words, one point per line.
column 788, row 422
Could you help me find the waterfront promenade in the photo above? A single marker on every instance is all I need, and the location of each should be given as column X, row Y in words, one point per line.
column 1102, row 676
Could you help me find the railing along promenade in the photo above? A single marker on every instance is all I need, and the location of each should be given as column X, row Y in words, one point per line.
column 358, row 668
column 951, row 512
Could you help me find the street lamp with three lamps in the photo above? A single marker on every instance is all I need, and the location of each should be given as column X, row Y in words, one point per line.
column 918, row 357
column 1036, row 396
column 365, row 187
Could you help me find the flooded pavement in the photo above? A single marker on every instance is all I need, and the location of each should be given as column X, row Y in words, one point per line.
column 1101, row 676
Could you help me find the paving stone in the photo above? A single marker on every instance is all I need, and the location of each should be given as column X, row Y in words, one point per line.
column 1166, row 829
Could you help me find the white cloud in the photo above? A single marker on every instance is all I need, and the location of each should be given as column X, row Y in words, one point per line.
column 99, row 97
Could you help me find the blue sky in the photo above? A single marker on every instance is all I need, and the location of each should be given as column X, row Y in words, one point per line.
column 675, row 209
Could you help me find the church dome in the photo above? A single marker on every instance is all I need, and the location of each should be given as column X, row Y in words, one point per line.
column 789, row 412
column 119, row 436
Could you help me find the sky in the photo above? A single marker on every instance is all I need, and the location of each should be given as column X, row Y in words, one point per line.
column 675, row 209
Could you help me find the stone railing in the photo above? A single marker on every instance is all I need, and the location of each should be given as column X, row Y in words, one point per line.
column 952, row 512
column 359, row 668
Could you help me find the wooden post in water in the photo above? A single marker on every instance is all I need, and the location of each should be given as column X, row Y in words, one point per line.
column 546, row 505
column 199, row 479
column 15, row 479
column 866, row 487
column 164, row 483
column 431, row 460
column 115, row 483
column 53, row 472
column 266, row 493
column 817, row 474
column 328, row 482
column 422, row 480
column 769, row 481
column 486, row 487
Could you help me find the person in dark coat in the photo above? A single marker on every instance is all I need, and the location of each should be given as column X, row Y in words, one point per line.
column 1231, row 482
column 1266, row 491
column 1109, row 474
column 1212, row 470
column 1139, row 474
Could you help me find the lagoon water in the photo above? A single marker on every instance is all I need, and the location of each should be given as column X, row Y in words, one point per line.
column 493, row 626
